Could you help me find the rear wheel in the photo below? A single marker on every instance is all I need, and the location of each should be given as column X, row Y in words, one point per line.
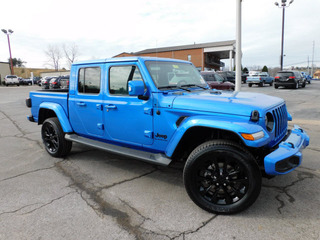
column 222, row 177
column 271, row 83
column 250, row 84
column 53, row 138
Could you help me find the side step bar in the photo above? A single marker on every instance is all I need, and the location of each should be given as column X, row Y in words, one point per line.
column 155, row 158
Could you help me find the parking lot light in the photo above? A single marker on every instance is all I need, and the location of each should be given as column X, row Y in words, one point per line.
column 9, row 32
column 282, row 5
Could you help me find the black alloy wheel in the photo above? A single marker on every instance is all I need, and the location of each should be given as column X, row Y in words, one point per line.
column 222, row 177
column 53, row 138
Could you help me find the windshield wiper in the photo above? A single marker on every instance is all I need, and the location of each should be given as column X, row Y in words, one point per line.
column 193, row 85
column 179, row 87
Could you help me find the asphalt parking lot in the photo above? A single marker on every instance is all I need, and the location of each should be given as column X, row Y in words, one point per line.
column 92, row 194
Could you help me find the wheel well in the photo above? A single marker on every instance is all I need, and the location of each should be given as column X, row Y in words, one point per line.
column 198, row 135
column 44, row 114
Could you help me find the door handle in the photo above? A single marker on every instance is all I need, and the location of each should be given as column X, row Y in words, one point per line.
column 81, row 104
column 110, row 106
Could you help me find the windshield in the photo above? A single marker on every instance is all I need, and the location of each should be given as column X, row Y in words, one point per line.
column 174, row 74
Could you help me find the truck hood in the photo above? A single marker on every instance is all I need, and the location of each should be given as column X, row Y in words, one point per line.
column 235, row 103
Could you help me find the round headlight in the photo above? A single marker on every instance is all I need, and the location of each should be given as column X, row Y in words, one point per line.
column 269, row 122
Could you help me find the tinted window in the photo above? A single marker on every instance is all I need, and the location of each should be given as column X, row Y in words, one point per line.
column 208, row 77
column 285, row 74
column 218, row 78
column 89, row 80
column 119, row 76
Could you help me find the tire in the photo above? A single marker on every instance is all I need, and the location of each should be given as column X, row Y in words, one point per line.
column 303, row 85
column 271, row 84
column 276, row 86
column 53, row 138
column 250, row 84
column 261, row 84
column 222, row 177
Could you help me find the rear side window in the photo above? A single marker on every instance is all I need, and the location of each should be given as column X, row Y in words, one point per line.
column 89, row 80
column 119, row 76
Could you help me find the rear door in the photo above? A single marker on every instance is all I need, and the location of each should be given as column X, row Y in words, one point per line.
column 85, row 101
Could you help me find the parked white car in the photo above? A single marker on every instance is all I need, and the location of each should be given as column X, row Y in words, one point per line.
column 11, row 80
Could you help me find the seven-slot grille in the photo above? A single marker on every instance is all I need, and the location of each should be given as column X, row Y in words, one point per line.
column 281, row 121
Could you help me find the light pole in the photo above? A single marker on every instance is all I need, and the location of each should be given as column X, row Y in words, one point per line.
column 282, row 5
column 9, row 32
column 238, row 45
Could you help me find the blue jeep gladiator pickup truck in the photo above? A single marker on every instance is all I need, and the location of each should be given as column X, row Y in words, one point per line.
column 161, row 110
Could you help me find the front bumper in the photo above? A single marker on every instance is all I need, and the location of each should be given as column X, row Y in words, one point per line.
column 288, row 155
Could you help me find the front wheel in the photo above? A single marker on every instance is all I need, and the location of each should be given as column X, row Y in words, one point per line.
column 222, row 177
column 53, row 138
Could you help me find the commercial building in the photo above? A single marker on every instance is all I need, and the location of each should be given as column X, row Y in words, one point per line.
column 4, row 70
column 203, row 56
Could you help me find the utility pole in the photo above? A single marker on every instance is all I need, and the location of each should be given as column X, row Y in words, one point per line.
column 312, row 60
column 282, row 5
column 238, row 46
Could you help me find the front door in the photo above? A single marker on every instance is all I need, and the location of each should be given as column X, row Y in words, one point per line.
column 128, row 119
column 85, row 103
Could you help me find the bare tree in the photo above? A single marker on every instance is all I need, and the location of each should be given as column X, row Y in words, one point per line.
column 71, row 52
column 54, row 55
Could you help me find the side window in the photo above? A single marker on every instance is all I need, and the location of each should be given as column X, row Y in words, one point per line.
column 89, row 80
column 119, row 76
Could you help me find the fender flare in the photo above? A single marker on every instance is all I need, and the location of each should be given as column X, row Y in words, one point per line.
column 61, row 115
column 225, row 124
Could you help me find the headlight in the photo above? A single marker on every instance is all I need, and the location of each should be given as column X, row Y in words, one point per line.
column 269, row 122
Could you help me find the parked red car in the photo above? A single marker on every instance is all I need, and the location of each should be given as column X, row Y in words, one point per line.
column 215, row 81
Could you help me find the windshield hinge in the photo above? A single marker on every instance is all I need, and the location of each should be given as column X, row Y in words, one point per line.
column 148, row 111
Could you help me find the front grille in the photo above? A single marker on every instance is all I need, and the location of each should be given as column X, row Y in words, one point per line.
column 281, row 121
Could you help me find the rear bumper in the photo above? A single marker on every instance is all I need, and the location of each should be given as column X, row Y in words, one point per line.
column 288, row 155
column 285, row 84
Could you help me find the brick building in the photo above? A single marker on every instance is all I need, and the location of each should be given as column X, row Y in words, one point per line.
column 203, row 56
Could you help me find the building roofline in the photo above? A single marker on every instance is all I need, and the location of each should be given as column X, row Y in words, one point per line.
column 186, row 47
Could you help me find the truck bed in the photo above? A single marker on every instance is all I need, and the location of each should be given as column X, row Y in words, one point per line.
column 58, row 96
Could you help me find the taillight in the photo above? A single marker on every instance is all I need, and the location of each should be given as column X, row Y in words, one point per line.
column 277, row 77
column 54, row 83
column 67, row 82
column 291, row 77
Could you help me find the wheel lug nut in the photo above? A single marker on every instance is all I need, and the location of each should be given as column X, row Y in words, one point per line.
column 224, row 184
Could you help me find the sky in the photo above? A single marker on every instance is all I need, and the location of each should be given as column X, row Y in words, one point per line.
column 102, row 29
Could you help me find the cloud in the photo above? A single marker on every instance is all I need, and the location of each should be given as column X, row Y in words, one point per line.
column 103, row 29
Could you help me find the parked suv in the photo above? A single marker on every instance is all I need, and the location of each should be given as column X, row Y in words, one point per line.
column 293, row 79
column 11, row 80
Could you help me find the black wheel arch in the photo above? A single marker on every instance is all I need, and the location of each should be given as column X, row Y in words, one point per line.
column 197, row 135
column 44, row 114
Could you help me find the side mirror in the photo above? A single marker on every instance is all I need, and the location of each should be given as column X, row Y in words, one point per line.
column 136, row 88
